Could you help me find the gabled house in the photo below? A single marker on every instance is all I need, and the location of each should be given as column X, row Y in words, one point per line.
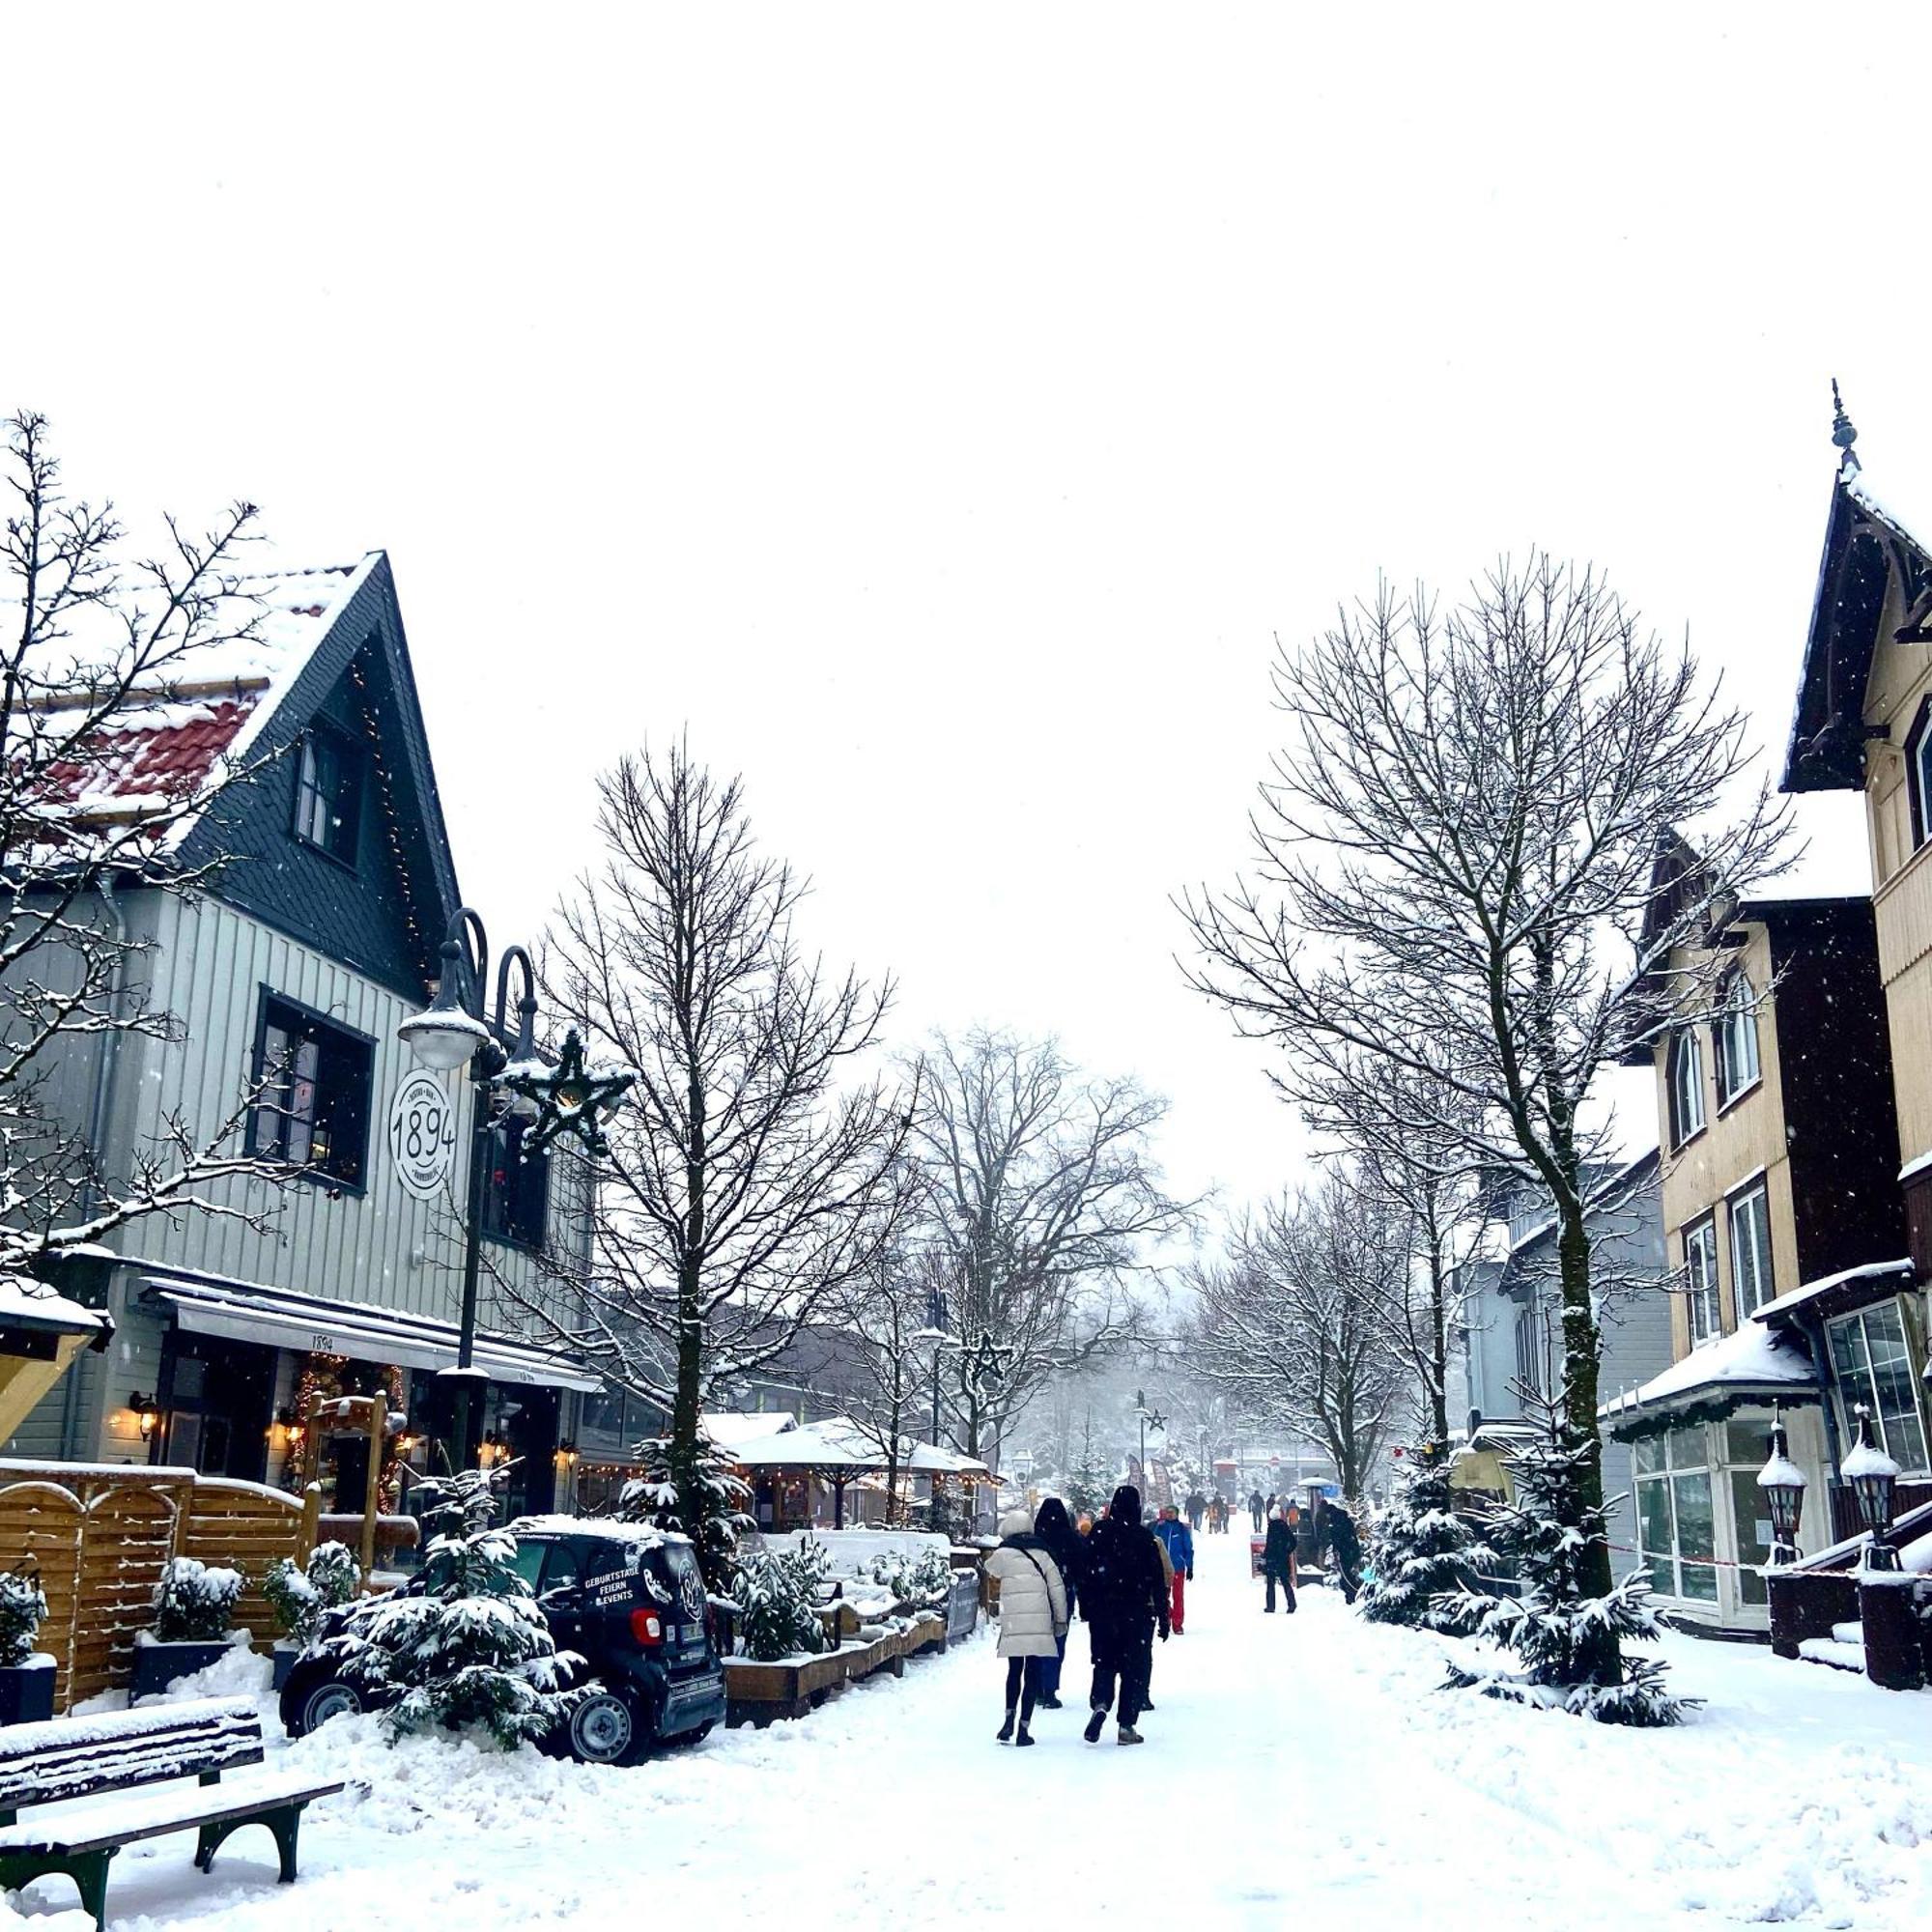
column 287, row 973
column 1509, row 1335
column 1768, row 1049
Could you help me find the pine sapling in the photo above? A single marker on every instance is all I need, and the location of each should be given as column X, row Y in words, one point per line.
column 23, row 1607
column 1421, row 1552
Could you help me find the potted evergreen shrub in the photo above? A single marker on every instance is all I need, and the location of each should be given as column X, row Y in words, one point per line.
column 195, row 1624
column 299, row 1596
column 26, row 1674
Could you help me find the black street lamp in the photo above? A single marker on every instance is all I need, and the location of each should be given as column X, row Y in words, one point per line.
column 1873, row 1476
column 453, row 1032
column 1781, row 1482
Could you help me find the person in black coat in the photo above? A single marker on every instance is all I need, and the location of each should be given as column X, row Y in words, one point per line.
column 1278, row 1559
column 1255, row 1507
column 1067, row 1547
column 1335, row 1532
column 1124, row 1597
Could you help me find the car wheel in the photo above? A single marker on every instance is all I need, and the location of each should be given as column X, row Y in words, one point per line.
column 319, row 1703
column 606, row 1728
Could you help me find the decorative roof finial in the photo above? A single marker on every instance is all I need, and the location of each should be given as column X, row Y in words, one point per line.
column 1843, row 433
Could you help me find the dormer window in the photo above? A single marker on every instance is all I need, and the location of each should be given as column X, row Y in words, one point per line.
column 329, row 793
column 1687, row 1087
column 1735, row 1037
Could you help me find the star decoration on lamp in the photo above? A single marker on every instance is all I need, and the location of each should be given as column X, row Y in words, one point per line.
column 568, row 1096
column 990, row 1363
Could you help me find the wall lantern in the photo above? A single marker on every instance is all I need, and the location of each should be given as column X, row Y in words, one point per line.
column 147, row 1414
column 1781, row 1482
column 1873, row 1476
column 566, row 1454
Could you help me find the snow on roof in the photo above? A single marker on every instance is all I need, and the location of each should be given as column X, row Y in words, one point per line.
column 209, row 705
column 644, row 1534
column 728, row 1427
column 1810, row 1291
column 26, row 1304
column 1751, row 1357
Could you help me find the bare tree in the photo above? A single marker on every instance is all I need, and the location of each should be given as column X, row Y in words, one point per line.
column 1292, row 1325
column 100, row 651
column 746, row 1182
column 1042, row 1193
column 1460, row 838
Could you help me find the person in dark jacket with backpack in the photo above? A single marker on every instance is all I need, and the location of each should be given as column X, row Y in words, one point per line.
column 1067, row 1548
column 1278, row 1559
column 1335, row 1532
column 1124, row 1597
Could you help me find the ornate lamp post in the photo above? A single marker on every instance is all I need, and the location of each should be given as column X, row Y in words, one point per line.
column 1873, row 1476
column 1781, row 1482
column 452, row 1032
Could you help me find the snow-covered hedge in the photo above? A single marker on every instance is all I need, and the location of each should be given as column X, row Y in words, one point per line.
column 194, row 1602
column 297, row 1596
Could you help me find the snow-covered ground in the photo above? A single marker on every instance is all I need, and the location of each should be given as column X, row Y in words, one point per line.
column 1298, row 1770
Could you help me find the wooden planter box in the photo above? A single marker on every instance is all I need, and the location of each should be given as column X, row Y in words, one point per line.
column 759, row 1693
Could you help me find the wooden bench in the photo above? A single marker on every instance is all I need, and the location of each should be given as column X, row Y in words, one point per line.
column 67, row 1762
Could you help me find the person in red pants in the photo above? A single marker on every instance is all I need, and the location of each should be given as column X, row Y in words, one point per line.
column 1179, row 1542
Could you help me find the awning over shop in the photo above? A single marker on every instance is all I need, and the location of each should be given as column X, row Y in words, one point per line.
column 1754, row 1365
column 281, row 1319
column 1834, row 1294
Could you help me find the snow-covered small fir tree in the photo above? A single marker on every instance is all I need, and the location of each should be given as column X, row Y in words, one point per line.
column 473, row 1650
column 778, row 1600
column 194, row 1603
column 23, row 1607
column 1555, row 1628
column 697, row 1496
column 297, row 1596
column 1420, row 1552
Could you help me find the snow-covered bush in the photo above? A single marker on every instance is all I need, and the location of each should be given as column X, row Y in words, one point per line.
column 697, row 1496
column 472, row 1649
column 1420, row 1552
column 297, row 1596
column 1553, row 1627
column 23, row 1607
column 194, row 1603
column 926, row 1577
column 778, row 1592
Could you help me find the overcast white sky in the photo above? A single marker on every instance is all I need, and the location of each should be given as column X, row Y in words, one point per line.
column 939, row 413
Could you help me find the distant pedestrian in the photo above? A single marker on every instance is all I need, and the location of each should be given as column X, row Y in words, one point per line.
column 1278, row 1559
column 1197, row 1508
column 1055, row 1528
column 1033, row 1616
column 1178, row 1540
column 1255, row 1506
column 1122, row 1598
column 1335, row 1533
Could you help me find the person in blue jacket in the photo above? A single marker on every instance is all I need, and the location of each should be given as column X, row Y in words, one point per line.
column 1179, row 1541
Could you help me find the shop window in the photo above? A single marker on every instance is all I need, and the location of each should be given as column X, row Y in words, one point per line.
column 515, row 1190
column 1751, row 1250
column 314, row 1078
column 1677, row 1531
column 1735, row 1037
column 1872, row 1364
column 1687, row 1087
column 329, row 793
column 1700, row 1280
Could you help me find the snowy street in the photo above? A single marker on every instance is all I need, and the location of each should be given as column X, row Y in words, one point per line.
column 1296, row 1770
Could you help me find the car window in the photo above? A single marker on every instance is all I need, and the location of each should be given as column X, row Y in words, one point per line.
column 562, row 1570
column 529, row 1561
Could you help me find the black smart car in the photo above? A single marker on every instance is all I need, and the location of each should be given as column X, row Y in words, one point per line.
column 628, row 1601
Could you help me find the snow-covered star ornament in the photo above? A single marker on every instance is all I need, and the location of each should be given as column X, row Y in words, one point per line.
column 568, row 1096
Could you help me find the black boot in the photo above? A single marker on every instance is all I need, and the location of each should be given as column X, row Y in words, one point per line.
column 1095, row 1724
column 1024, row 1737
column 1007, row 1729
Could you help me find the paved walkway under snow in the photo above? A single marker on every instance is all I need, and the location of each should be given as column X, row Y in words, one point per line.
column 1299, row 1770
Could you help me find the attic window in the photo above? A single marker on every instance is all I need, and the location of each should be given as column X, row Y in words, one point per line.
column 329, row 794
column 1918, row 769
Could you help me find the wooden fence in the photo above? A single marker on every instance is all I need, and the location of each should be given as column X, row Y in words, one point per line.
column 98, row 1536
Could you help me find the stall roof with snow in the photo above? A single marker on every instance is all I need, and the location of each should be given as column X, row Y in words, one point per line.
column 1752, row 1364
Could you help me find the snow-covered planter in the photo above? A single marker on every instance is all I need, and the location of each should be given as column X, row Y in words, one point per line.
column 194, row 1616
column 778, row 1593
column 298, row 1595
column 26, row 1675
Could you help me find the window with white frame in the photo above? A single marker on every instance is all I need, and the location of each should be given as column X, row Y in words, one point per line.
column 1700, row 1280
column 1751, row 1285
column 1735, row 1037
column 1530, row 1347
column 1687, row 1087
column 1871, row 1363
column 1677, row 1527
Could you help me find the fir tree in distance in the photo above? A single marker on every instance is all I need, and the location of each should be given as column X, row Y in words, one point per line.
column 473, row 1650
column 1422, row 1553
column 1554, row 1533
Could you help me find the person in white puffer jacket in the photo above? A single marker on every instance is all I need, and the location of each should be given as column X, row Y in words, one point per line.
column 1033, row 1616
